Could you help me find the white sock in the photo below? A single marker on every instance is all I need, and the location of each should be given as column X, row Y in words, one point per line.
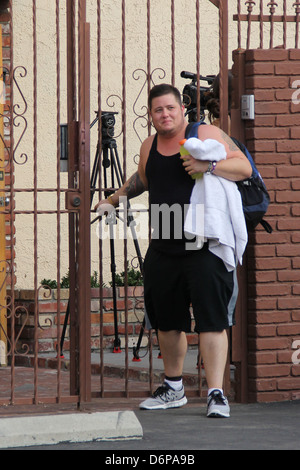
column 176, row 385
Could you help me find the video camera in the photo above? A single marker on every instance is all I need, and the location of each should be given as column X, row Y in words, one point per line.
column 190, row 95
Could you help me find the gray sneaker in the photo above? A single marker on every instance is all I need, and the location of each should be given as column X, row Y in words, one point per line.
column 163, row 398
column 217, row 405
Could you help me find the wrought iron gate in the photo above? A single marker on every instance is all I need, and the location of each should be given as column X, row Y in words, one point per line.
column 46, row 207
column 82, row 78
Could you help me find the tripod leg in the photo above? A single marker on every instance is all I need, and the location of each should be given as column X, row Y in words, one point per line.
column 117, row 341
column 159, row 356
column 106, row 163
column 135, row 350
column 117, row 167
column 113, row 160
column 116, row 164
column 63, row 334
column 94, row 175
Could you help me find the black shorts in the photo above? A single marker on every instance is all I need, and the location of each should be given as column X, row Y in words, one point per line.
column 172, row 284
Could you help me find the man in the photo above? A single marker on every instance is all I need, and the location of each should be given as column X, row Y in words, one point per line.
column 173, row 275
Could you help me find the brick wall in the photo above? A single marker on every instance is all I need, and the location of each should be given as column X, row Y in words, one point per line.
column 48, row 308
column 274, row 260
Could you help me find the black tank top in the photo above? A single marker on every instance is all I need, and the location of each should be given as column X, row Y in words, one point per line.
column 170, row 189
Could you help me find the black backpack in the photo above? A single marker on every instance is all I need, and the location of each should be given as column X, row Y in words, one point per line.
column 254, row 194
column 255, row 197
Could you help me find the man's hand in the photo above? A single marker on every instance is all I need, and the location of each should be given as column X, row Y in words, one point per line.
column 193, row 166
column 132, row 188
column 104, row 207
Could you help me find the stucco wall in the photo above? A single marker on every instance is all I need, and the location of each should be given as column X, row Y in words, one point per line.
column 111, row 73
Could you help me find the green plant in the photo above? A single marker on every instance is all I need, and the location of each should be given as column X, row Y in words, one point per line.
column 64, row 284
column 65, row 281
column 49, row 283
column 134, row 278
column 94, row 280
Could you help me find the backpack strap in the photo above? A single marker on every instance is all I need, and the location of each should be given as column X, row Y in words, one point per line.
column 266, row 226
column 255, row 173
column 192, row 129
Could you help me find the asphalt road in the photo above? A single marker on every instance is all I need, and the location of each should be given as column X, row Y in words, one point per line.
column 187, row 430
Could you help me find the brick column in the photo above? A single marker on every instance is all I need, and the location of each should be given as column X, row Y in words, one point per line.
column 273, row 138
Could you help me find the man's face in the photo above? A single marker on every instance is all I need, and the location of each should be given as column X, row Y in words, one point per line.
column 167, row 115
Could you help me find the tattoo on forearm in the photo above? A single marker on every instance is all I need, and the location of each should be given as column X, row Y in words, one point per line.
column 229, row 141
column 135, row 186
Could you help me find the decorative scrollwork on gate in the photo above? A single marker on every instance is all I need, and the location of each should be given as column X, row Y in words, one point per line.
column 47, row 294
column 19, row 111
column 17, row 316
column 14, row 116
column 141, row 111
column 112, row 104
column 4, row 118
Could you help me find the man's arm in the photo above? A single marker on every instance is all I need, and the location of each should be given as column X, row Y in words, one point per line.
column 131, row 188
column 236, row 167
column 135, row 185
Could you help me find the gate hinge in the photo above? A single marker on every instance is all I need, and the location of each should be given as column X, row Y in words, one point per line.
column 73, row 200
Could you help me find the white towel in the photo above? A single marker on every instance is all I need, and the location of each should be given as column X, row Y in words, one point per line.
column 224, row 222
column 209, row 149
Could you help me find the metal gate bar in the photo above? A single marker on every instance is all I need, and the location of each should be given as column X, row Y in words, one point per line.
column 84, row 298
column 72, row 168
column 78, row 119
column 59, row 194
column 12, row 308
column 11, row 303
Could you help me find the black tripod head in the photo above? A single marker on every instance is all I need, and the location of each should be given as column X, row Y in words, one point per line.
column 107, row 125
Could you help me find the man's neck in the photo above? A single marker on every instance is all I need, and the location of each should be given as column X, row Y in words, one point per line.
column 168, row 144
column 176, row 135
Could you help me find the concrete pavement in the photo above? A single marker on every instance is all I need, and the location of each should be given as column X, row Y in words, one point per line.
column 117, row 424
column 31, row 430
column 272, row 426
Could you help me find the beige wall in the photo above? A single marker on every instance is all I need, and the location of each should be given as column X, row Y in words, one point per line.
column 136, row 43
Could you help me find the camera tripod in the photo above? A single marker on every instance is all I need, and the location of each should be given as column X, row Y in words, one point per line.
column 110, row 159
